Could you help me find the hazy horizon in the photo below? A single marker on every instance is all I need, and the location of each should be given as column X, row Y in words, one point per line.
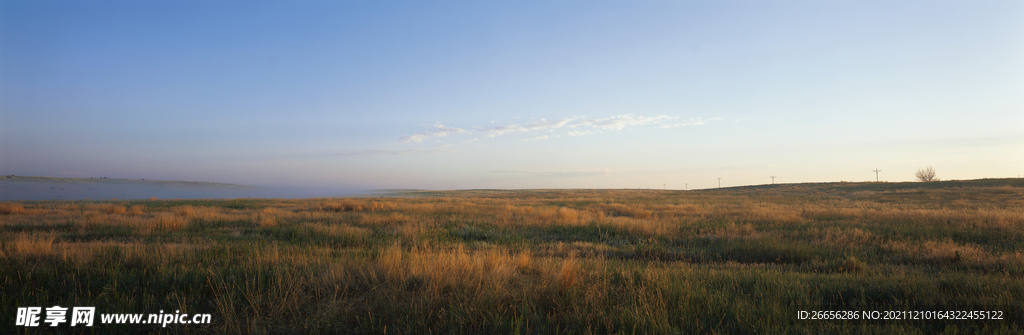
column 511, row 95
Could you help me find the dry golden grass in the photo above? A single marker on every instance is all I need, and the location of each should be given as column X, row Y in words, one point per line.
column 31, row 244
column 337, row 230
column 416, row 208
column 167, row 222
column 838, row 237
column 627, row 210
column 569, row 273
column 411, row 231
column 350, row 205
column 731, row 230
column 640, row 227
column 486, row 272
column 543, row 216
column 82, row 253
column 383, row 219
column 266, row 221
column 524, row 262
column 185, row 211
column 390, row 261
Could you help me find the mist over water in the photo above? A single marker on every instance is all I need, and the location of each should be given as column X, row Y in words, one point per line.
column 41, row 188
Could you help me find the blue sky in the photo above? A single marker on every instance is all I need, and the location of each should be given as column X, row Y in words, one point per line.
column 512, row 94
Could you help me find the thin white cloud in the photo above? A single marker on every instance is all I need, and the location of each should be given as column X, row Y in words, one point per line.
column 529, row 126
column 580, row 125
column 394, row 152
column 581, row 133
column 618, row 122
column 439, row 131
column 691, row 123
column 563, row 173
column 578, row 173
column 514, row 171
column 621, row 121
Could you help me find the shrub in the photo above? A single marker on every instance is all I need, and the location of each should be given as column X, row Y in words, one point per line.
column 135, row 210
column 926, row 174
column 115, row 209
column 9, row 208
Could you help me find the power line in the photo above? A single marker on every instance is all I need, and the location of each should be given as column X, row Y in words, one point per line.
column 773, row 180
column 876, row 174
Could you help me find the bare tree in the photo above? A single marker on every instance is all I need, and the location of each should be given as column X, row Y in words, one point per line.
column 926, row 174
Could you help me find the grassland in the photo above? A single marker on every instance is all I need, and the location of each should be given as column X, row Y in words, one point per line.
column 729, row 261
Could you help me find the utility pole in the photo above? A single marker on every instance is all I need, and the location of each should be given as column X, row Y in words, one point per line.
column 773, row 180
column 719, row 182
column 686, row 187
column 663, row 187
column 876, row 174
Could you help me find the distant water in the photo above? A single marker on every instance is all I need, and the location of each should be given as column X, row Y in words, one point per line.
column 43, row 188
column 295, row 192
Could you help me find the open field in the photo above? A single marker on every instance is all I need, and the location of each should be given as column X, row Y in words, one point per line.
column 738, row 260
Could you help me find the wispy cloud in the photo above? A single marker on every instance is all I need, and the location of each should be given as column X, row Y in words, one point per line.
column 514, row 171
column 578, row 173
column 395, row 152
column 439, row 131
column 510, row 128
column 563, row 173
column 620, row 122
column 581, row 133
column 609, row 123
column 691, row 122
column 579, row 125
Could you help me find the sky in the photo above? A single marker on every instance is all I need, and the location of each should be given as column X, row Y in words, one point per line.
column 455, row 94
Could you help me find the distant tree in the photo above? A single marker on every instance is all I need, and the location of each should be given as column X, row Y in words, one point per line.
column 926, row 174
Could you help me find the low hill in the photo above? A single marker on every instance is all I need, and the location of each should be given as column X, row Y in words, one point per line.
column 885, row 186
column 881, row 191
